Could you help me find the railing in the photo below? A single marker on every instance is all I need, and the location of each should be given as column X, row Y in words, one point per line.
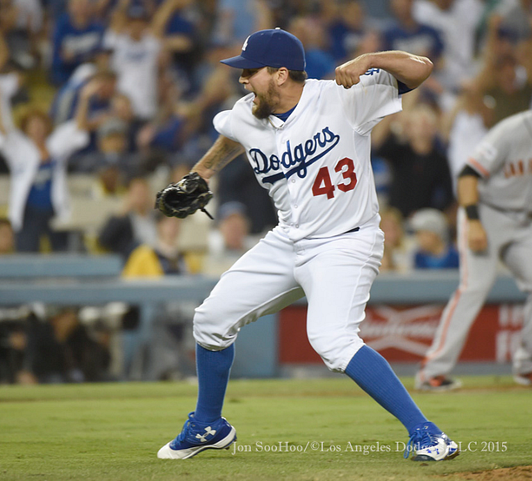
column 95, row 280
column 86, row 279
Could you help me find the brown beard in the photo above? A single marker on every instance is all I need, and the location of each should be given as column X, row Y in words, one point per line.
column 267, row 103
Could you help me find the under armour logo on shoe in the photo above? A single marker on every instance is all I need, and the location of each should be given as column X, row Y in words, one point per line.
column 208, row 430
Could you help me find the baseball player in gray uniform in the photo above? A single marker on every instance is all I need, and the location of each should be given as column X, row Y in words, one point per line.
column 308, row 142
column 494, row 222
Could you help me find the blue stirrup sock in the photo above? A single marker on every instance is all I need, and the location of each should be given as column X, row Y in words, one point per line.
column 375, row 376
column 213, row 368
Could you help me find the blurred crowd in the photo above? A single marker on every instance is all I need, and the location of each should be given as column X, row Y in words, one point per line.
column 122, row 93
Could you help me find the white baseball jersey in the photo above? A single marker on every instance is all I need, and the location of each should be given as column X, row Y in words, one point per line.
column 504, row 160
column 316, row 165
column 136, row 65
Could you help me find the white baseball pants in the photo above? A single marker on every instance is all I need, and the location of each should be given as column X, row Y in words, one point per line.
column 335, row 274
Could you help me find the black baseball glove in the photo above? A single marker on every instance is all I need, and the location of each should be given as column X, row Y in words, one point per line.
column 184, row 197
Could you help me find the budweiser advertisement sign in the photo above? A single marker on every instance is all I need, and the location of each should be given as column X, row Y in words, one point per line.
column 404, row 333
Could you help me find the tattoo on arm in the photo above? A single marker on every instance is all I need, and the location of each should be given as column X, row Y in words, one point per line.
column 219, row 155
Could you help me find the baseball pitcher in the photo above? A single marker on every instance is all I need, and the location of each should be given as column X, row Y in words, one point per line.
column 308, row 142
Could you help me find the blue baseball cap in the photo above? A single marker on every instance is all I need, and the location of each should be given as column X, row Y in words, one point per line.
column 270, row 48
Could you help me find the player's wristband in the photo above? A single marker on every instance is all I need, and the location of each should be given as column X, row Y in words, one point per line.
column 472, row 212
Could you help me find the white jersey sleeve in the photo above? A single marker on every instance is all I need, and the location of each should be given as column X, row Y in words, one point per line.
column 374, row 97
column 490, row 155
column 225, row 121
column 17, row 150
column 66, row 139
column 222, row 124
column 504, row 161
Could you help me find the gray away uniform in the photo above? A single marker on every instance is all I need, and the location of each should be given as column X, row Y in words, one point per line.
column 504, row 161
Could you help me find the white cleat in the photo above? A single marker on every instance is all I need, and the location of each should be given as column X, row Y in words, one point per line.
column 430, row 444
column 443, row 449
column 197, row 437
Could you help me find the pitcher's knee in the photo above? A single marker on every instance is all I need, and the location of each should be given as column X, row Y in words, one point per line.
column 213, row 332
column 336, row 352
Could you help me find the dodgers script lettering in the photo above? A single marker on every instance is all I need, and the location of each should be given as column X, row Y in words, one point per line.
column 294, row 159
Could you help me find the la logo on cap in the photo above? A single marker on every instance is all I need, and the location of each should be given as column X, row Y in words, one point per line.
column 245, row 44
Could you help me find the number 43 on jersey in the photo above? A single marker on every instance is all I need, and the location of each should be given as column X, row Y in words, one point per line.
column 323, row 184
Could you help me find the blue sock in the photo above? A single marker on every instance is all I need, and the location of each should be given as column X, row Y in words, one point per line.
column 375, row 376
column 213, row 368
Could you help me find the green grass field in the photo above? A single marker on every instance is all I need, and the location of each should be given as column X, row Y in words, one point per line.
column 287, row 429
